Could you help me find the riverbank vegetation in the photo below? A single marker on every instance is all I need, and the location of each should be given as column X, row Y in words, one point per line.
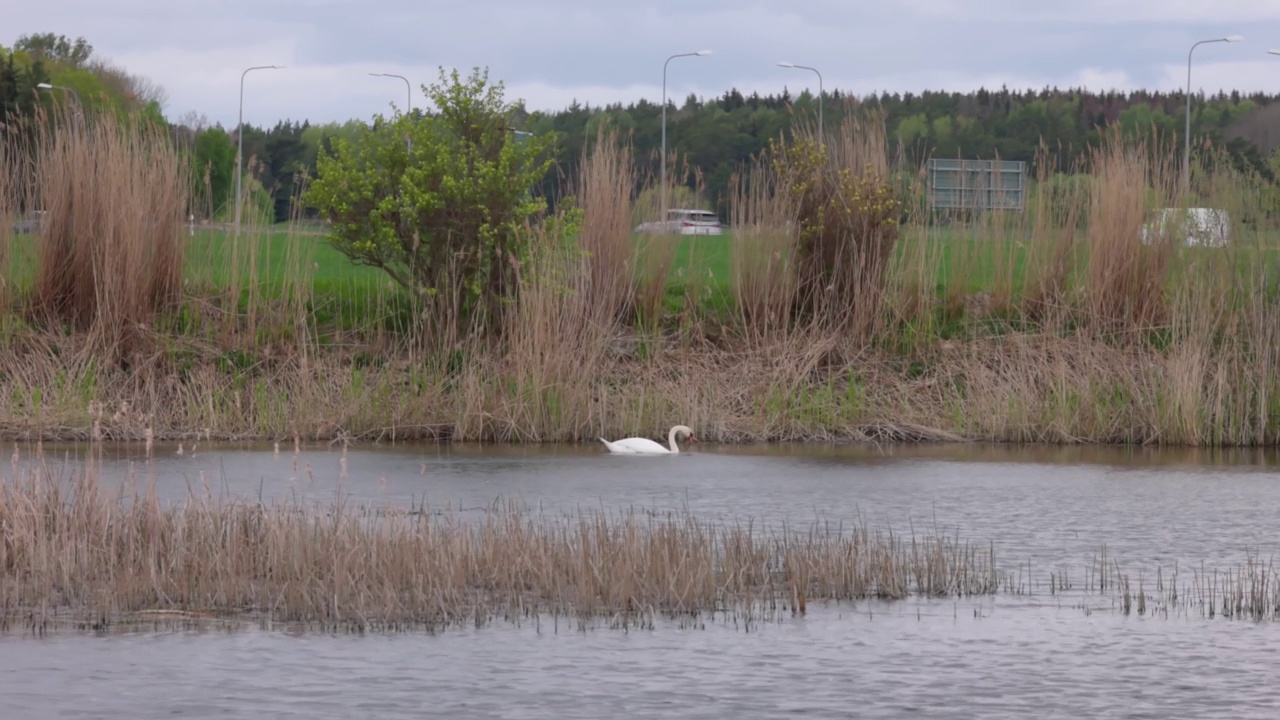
column 837, row 307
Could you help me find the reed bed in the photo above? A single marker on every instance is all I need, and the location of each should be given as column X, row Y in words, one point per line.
column 72, row 552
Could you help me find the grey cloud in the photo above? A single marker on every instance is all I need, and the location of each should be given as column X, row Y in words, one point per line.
column 581, row 43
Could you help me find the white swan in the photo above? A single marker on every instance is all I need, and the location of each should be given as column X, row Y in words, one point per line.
column 645, row 446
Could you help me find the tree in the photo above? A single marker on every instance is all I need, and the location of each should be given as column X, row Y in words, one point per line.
column 97, row 84
column 133, row 91
column 18, row 80
column 444, row 218
column 215, row 160
column 55, row 48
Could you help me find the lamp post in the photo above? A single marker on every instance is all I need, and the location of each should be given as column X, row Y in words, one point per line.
column 1186, row 153
column 821, row 138
column 408, row 89
column 408, row 141
column 240, row 137
column 63, row 88
column 699, row 53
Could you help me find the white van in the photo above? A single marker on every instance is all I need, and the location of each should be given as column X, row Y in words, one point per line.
column 685, row 222
column 1199, row 226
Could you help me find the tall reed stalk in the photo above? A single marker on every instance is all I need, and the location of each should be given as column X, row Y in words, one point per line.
column 111, row 253
column 574, row 294
column 763, row 258
column 1126, row 280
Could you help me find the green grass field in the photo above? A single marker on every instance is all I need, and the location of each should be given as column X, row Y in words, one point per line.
column 954, row 261
column 209, row 259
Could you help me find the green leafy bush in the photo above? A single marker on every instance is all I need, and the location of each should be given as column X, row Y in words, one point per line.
column 439, row 201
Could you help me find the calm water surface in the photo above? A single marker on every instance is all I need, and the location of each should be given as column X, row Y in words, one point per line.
column 1013, row 662
column 1043, row 506
column 1011, row 656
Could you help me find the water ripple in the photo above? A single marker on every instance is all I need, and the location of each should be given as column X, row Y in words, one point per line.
column 1015, row 662
column 1010, row 656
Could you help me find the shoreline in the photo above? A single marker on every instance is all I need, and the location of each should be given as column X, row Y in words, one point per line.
column 1008, row 389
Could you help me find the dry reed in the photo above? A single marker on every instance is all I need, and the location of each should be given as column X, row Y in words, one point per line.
column 114, row 194
column 1126, row 280
column 763, row 216
column 605, row 194
column 573, row 297
column 72, row 552
column 75, row 554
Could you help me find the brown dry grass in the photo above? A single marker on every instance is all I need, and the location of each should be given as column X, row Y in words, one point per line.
column 71, row 552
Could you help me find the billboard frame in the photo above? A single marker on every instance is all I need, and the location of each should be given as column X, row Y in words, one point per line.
column 981, row 185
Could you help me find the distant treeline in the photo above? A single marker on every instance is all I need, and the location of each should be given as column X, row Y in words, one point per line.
column 713, row 137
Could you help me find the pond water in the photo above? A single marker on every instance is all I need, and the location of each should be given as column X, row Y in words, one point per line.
column 1011, row 656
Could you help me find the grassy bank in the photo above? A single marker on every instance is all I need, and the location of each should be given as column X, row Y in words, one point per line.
column 835, row 310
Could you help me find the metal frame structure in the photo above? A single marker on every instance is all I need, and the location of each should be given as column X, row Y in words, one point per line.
column 977, row 184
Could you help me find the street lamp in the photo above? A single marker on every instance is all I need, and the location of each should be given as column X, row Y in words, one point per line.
column 76, row 95
column 240, row 137
column 821, row 138
column 1186, row 156
column 699, row 53
column 408, row 141
column 407, row 87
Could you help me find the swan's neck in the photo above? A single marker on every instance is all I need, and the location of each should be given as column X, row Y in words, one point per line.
column 671, row 440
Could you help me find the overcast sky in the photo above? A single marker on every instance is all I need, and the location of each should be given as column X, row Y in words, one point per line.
column 598, row 51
